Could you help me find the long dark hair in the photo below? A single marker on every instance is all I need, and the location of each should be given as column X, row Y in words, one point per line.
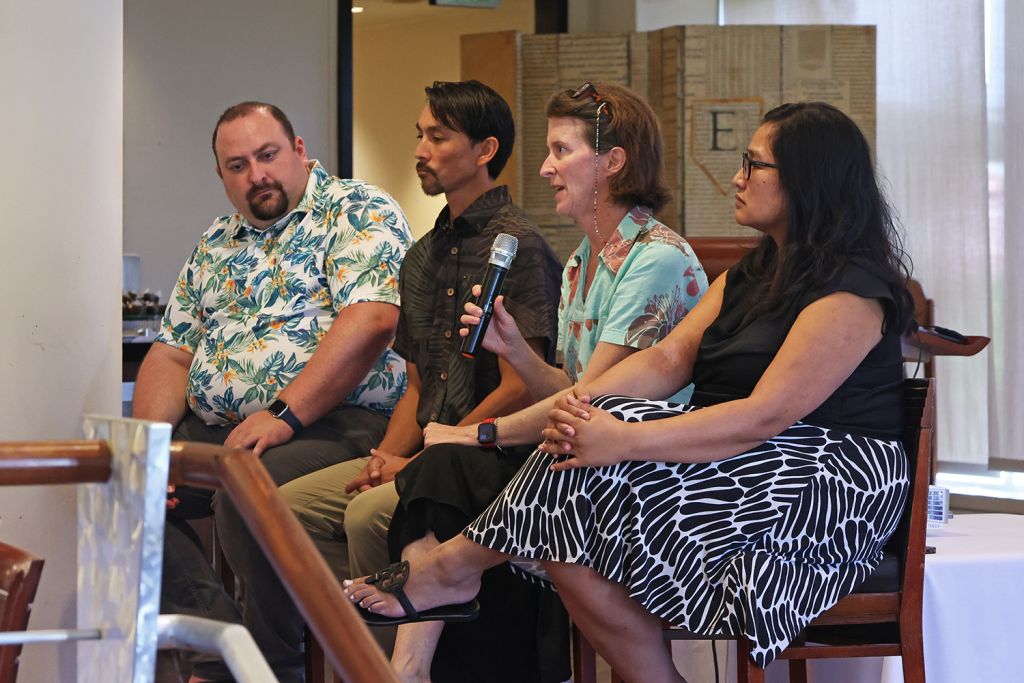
column 837, row 213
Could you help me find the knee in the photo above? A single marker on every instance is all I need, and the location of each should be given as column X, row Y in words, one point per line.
column 233, row 533
column 369, row 515
column 316, row 522
column 567, row 573
column 224, row 510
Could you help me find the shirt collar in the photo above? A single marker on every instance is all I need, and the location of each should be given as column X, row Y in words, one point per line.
column 317, row 175
column 478, row 214
column 613, row 255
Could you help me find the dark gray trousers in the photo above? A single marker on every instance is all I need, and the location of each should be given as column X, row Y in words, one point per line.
column 190, row 586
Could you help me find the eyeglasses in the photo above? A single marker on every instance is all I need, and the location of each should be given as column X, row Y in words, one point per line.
column 587, row 89
column 749, row 164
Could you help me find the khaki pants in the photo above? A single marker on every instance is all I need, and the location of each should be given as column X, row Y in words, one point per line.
column 349, row 529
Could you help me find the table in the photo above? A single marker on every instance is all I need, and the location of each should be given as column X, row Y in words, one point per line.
column 973, row 603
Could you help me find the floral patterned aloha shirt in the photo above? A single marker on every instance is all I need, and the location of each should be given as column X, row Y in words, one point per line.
column 647, row 279
column 252, row 305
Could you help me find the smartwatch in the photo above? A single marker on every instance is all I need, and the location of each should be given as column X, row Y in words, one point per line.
column 281, row 411
column 487, row 433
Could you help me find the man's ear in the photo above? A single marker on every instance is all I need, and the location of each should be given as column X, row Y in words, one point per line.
column 486, row 149
column 300, row 148
column 616, row 159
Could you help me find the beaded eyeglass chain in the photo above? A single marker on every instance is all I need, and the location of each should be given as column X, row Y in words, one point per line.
column 588, row 88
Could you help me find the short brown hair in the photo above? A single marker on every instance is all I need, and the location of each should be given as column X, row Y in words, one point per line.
column 627, row 121
column 244, row 109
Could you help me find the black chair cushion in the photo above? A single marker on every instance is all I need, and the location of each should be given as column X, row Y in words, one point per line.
column 885, row 579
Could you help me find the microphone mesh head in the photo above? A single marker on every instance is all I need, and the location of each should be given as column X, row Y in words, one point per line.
column 504, row 250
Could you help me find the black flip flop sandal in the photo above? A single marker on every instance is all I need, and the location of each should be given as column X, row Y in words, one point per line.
column 390, row 580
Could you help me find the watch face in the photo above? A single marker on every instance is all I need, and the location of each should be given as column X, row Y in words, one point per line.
column 486, row 433
column 277, row 408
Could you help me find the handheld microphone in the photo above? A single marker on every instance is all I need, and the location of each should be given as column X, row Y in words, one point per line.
column 502, row 252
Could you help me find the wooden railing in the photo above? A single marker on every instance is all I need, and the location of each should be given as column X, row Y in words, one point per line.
column 331, row 617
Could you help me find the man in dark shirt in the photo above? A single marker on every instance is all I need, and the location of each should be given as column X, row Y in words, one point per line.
column 465, row 136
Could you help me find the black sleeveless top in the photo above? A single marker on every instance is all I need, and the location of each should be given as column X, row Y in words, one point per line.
column 736, row 350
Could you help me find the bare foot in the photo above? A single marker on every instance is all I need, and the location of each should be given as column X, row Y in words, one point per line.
column 432, row 582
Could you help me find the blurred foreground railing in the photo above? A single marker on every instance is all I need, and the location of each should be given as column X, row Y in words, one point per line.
column 124, row 467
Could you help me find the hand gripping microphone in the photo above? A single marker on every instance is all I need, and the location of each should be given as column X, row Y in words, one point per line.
column 502, row 252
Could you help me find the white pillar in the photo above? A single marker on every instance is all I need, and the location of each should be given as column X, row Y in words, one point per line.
column 60, row 186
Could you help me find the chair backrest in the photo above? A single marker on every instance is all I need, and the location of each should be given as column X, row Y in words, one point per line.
column 909, row 540
column 719, row 254
column 19, row 579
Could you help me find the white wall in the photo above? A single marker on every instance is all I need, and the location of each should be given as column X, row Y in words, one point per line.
column 187, row 61
column 394, row 60
column 602, row 16
column 616, row 16
column 61, row 75
column 655, row 14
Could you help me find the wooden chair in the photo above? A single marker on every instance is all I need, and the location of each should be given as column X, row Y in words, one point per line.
column 921, row 346
column 19, row 579
column 719, row 254
column 882, row 617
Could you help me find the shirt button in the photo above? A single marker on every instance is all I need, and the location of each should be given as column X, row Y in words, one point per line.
column 447, row 334
column 451, row 291
column 454, row 250
column 433, row 417
column 444, row 376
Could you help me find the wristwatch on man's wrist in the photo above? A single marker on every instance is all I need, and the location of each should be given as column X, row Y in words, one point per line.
column 487, row 433
column 281, row 411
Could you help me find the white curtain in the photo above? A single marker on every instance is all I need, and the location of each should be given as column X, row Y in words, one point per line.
column 1007, row 149
column 931, row 150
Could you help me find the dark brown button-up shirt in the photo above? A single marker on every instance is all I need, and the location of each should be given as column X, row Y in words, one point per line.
column 435, row 282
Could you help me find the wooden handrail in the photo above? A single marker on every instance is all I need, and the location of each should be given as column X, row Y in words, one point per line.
column 310, row 582
column 197, row 464
column 53, row 462
column 331, row 617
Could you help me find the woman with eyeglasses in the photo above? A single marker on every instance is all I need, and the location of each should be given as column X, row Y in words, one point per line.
column 759, row 505
column 630, row 281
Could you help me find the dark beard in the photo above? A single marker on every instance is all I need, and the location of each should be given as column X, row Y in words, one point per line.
column 429, row 181
column 272, row 208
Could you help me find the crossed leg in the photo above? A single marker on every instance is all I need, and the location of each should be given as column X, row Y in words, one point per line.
column 415, row 643
column 450, row 573
column 447, row 575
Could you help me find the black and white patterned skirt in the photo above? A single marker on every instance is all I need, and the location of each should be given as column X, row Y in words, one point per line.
column 759, row 543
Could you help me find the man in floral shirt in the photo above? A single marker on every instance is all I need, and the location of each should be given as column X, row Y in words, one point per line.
column 276, row 338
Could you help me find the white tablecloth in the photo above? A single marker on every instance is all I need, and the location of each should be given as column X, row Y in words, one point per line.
column 973, row 601
column 973, row 605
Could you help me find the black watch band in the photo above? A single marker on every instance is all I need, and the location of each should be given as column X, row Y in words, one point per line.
column 281, row 411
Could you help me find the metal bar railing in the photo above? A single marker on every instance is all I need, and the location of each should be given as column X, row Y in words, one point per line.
column 331, row 617
column 53, row 635
column 232, row 642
